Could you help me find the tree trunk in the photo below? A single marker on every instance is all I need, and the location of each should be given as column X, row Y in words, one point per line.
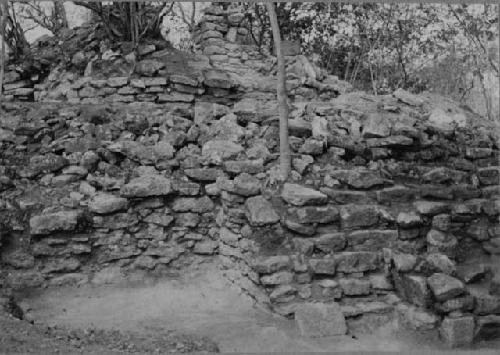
column 3, row 20
column 285, row 156
column 60, row 15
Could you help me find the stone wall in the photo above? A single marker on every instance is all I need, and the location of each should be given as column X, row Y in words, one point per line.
column 410, row 218
column 391, row 207
column 226, row 66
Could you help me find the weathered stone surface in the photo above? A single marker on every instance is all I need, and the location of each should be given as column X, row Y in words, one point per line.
column 45, row 163
column 184, row 79
column 218, row 79
column 244, row 166
column 406, row 234
column 476, row 153
column 205, row 112
column 489, row 176
column 19, row 279
column 116, row 220
column 485, row 303
column 299, row 195
column 478, row 229
column 395, row 141
column 404, row 262
column 147, row 185
column 415, row 318
column 18, row 259
column 186, row 188
column 431, row 208
column 376, row 126
column 458, row 304
column 55, row 222
column 312, row 147
column 472, row 272
column 492, row 246
column 302, row 163
column 191, row 204
column 267, row 265
column 160, row 219
column 68, row 264
column 438, row 242
column 327, row 289
column 278, row 278
column 320, row 214
column 446, row 121
column 149, row 67
column 380, row 282
column 283, row 294
column 175, row 97
column 445, row 287
column 408, row 220
column 360, row 261
column 106, row 203
column 436, row 262
column 331, row 242
column 358, row 178
column 299, row 128
column 144, row 154
column 441, row 222
column 324, row 266
column 371, row 240
column 187, row 219
column 246, row 185
column 260, row 211
column 207, row 247
column 300, row 228
column 467, row 208
column 355, row 287
column 487, row 328
column 344, row 197
column 352, row 216
column 412, row 288
column 216, row 151
column 361, row 308
column 320, row 320
column 443, row 175
column 204, row 174
column 252, row 110
column 495, row 285
column 458, row 331
column 117, row 81
column 395, row 194
column 228, row 237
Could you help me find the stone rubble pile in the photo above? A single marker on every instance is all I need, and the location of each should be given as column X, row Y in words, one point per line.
column 226, row 67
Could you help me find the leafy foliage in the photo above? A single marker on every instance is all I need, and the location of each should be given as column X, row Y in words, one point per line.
column 12, row 32
column 48, row 15
column 380, row 47
column 130, row 21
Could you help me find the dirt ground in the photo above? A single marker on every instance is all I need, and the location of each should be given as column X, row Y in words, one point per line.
column 180, row 313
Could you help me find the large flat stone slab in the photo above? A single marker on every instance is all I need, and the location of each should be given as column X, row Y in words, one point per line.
column 62, row 221
column 300, row 196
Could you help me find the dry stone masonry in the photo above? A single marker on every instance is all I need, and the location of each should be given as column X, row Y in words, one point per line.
column 391, row 208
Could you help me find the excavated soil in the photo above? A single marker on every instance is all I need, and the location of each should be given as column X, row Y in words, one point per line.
column 140, row 313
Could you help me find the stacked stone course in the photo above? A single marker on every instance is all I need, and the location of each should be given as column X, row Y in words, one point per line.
column 391, row 200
